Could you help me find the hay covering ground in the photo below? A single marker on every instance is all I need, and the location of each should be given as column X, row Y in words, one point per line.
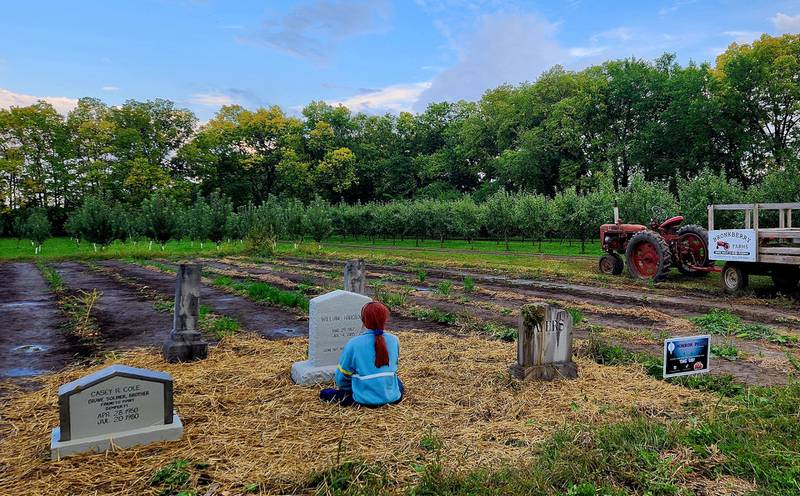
column 245, row 418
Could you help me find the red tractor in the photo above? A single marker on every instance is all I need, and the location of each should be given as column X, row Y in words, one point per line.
column 650, row 252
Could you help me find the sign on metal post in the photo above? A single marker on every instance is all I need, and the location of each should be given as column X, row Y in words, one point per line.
column 732, row 245
column 686, row 355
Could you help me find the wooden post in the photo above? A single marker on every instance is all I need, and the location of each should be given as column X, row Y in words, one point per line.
column 748, row 215
column 781, row 218
column 755, row 227
column 711, row 217
column 789, row 218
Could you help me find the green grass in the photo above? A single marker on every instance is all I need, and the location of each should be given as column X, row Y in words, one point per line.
column 66, row 249
column 469, row 284
column 444, row 287
column 566, row 247
column 724, row 323
column 499, row 331
column 726, row 350
column 53, row 278
column 260, row 291
column 434, row 315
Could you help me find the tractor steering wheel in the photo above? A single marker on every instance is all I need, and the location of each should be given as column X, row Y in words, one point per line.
column 659, row 213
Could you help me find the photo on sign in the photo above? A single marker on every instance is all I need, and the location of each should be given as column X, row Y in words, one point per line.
column 686, row 355
column 732, row 245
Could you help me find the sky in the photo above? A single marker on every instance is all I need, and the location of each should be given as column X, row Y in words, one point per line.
column 374, row 56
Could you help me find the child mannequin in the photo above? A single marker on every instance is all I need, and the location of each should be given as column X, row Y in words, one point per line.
column 367, row 373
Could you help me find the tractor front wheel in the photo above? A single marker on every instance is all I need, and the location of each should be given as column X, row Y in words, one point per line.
column 733, row 278
column 692, row 250
column 648, row 256
column 611, row 264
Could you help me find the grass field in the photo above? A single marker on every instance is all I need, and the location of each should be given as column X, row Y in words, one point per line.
column 556, row 260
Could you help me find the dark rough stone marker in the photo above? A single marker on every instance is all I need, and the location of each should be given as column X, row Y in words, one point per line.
column 544, row 345
column 185, row 342
column 355, row 276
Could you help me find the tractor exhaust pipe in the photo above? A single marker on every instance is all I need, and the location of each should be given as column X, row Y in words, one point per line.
column 616, row 215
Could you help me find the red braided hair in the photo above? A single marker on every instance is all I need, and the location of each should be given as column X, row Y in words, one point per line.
column 374, row 316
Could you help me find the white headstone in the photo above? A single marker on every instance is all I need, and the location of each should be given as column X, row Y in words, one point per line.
column 119, row 404
column 333, row 318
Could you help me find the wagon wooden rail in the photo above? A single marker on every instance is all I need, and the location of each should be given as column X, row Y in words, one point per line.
column 777, row 249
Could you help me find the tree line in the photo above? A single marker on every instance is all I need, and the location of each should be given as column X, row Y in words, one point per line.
column 502, row 216
column 565, row 131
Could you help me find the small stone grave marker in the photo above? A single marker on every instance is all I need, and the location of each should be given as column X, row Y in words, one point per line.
column 355, row 276
column 333, row 318
column 185, row 342
column 544, row 345
column 124, row 405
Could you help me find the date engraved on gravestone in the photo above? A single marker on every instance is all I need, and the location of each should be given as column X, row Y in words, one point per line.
column 119, row 404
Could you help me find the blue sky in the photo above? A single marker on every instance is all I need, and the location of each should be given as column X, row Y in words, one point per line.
column 374, row 56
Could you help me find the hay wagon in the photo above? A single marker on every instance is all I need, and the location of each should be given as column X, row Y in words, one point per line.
column 757, row 250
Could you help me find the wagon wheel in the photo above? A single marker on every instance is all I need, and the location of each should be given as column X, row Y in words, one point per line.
column 733, row 278
column 648, row 256
column 692, row 250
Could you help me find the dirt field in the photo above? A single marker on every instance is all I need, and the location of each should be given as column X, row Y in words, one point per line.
column 638, row 318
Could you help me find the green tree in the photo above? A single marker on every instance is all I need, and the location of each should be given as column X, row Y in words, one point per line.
column 500, row 215
column 98, row 222
column 37, row 228
column 319, row 219
column 161, row 218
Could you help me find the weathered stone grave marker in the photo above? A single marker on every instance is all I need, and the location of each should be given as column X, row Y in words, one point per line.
column 185, row 342
column 124, row 405
column 333, row 318
column 544, row 345
column 355, row 276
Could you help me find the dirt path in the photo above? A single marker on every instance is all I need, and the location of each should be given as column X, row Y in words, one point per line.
column 125, row 318
column 270, row 322
column 666, row 301
column 32, row 340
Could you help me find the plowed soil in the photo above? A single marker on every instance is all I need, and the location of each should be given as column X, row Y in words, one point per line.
column 32, row 338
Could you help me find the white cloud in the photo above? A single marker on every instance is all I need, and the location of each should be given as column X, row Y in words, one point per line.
column 110, row 88
column 61, row 103
column 395, row 98
column 211, row 99
column 587, row 51
column 786, row 24
column 504, row 48
column 742, row 37
column 621, row 34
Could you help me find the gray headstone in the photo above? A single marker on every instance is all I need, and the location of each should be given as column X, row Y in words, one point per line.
column 122, row 405
column 355, row 276
column 544, row 345
column 185, row 342
column 333, row 318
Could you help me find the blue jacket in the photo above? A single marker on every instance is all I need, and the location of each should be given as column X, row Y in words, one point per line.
column 371, row 385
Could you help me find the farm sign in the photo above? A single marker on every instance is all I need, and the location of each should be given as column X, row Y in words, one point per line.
column 733, row 245
column 686, row 355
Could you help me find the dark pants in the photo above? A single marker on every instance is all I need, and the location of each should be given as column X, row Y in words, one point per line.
column 345, row 397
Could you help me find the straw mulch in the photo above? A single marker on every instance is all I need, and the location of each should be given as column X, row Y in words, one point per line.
column 245, row 418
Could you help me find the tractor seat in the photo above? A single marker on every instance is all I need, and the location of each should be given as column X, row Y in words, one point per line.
column 672, row 221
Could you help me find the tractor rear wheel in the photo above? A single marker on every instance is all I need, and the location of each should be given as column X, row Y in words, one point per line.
column 733, row 278
column 648, row 256
column 611, row 264
column 786, row 279
column 691, row 250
